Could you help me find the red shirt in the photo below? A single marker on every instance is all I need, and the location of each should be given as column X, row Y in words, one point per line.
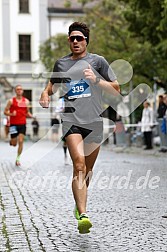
column 21, row 111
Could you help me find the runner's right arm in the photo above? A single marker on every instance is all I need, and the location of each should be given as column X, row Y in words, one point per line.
column 44, row 99
column 7, row 109
column 49, row 90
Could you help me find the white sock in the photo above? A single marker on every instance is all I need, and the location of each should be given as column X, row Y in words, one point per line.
column 83, row 214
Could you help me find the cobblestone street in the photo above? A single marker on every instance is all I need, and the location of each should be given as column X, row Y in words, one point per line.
column 127, row 203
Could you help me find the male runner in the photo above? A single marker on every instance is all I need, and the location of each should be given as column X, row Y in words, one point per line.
column 86, row 76
column 17, row 109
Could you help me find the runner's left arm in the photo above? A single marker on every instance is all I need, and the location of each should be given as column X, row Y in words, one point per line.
column 108, row 85
column 29, row 114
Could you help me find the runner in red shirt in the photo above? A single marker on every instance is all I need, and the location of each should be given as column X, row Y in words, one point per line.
column 17, row 109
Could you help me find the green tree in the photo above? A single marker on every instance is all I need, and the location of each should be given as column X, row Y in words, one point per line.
column 53, row 49
column 147, row 23
column 147, row 19
column 109, row 36
column 134, row 30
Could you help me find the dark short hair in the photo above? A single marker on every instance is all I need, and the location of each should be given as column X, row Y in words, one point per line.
column 82, row 27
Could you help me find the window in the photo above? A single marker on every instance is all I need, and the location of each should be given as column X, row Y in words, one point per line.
column 24, row 6
column 24, row 48
column 28, row 95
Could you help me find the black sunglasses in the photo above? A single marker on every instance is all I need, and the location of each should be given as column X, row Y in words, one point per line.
column 77, row 37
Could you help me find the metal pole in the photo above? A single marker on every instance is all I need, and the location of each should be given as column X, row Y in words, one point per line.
column 132, row 116
column 50, row 34
column 0, row 114
column 155, row 96
column 1, row 123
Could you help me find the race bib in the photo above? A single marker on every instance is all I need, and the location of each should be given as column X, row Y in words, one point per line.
column 78, row 89
column 13, row 130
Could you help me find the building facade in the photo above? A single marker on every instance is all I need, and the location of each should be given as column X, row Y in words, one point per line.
column 24, row 26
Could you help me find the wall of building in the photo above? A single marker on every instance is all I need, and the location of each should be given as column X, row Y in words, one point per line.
column 13, row 23
column 30, row 27
column 37, row 24
column 1, row 40
column 60, row 25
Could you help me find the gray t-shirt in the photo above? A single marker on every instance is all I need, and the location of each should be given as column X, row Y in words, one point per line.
column 83, row 99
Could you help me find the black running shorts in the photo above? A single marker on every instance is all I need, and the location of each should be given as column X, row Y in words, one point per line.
column 15, row 130
column 92, row 132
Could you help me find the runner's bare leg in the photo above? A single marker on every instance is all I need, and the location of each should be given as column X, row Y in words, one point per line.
column 20, row 144
column 79, row 187
column 90, row 159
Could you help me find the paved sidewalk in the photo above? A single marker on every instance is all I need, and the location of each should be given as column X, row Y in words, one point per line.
column 127, row 202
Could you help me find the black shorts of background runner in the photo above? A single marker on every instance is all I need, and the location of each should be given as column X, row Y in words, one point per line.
column 55, row 129
column 92, row 132
column 21, row 129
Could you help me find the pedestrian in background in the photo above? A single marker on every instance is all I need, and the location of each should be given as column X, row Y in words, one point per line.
column 147, row 122
column 35, row 128
column 162, row 107
column 55, row 124
column 17, row 109
column 162, row 121
column 165, row 102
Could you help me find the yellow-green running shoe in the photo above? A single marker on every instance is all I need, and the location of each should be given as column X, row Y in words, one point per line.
column 84, row 224
column 76, row 213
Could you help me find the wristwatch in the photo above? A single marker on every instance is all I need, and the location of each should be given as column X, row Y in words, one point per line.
column 97, row 80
